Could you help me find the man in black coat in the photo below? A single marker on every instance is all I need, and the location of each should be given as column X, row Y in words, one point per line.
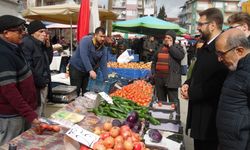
column 204, row 86
column 38, row 53
column 233, row 114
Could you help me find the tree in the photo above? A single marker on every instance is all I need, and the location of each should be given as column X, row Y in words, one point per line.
column 162, row 14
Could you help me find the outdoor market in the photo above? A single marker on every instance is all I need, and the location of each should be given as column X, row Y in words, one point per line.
column 76, row 76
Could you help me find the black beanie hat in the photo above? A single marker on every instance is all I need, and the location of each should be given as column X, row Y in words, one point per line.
column 35, row 26
column 8, row 22
column 171, row 33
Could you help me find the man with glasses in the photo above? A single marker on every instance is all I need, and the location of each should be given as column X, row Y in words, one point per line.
column 240, row 21
column 17, row 91
column 38, row 52
column 204, row 86
column 233, row 124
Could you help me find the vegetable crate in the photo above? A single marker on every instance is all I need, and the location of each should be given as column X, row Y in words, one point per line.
column 100, row 86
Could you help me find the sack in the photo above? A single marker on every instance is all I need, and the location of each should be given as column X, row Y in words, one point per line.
column 125, row 57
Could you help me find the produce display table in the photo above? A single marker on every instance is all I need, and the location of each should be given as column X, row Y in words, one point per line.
column 170, row 128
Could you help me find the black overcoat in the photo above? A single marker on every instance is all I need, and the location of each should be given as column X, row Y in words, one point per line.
column 205, row 86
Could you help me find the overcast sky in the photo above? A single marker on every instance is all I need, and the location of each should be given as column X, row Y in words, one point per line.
column 172, row 7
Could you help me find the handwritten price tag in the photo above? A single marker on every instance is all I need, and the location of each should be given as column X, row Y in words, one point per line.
column 83, row 136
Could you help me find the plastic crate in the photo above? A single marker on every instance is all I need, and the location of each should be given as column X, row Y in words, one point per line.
column 100, row 86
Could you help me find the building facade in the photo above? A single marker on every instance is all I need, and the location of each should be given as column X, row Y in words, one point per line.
column 131, row 9
column 190, row 11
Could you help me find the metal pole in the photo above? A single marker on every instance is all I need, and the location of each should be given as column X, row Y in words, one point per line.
column 71, row 38
column 41, row 2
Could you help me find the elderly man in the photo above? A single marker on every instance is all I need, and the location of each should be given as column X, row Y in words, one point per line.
column 233, row 124
column 17, row 90
column 204, row 86
column 38, row 53
column 241, row 21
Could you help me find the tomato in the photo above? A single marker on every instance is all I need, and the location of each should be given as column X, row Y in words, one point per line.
column 114, row 131
column 104, row 135
column 44, row 126
column 56, row 128
column 126, row 134
column 109, row 142
column 118, row 146
column 83, row 147
column 124, row 128
column 119, row 139
column 137, row 146
column 128, row 145
column 107, row 126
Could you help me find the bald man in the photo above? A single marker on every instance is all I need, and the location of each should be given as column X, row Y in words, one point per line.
column 233, row 115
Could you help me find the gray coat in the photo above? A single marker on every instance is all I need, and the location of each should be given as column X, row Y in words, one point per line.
column 176, row 54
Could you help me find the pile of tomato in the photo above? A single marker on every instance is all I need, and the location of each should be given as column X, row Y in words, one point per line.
column 139, row 91
column 117, row 138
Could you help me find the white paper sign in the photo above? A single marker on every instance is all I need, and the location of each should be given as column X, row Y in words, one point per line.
column 106, row 97
column 83, row 136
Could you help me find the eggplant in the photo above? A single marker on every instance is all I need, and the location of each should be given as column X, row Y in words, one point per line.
column 130, row 124
column 155, row 135
column 116, row 123
column 133, row 117
column 137, row 127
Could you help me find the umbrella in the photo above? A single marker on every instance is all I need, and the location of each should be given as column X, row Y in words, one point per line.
column 59, row 26
column 63, row 13
column 83, row 20
column 147, row 25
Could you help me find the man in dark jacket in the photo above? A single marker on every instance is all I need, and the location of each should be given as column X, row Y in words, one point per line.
column 233, row 124
column 90, row 55
column 38, row 52
column 166, row 68
column 204, row 86
column 150, row 46
column 17, row 90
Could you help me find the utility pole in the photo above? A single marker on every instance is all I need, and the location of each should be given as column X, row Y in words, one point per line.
column 110, row 3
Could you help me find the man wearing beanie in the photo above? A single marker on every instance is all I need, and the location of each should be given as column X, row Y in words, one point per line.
column 17, row 91
column 38, row 52
column 166, row 68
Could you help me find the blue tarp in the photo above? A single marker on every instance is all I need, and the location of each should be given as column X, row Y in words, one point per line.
column 130, row 73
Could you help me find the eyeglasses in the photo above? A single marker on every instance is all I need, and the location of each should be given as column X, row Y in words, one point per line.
column 221, row 54
column 234, row 26
column 202, row 23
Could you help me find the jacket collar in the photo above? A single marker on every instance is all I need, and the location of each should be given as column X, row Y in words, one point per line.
column 244, row 61
column 11, row 46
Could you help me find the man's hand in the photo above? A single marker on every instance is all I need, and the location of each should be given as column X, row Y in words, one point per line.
column 36, row 122
column 92, row 74
column 184, row 91
column 169, row 42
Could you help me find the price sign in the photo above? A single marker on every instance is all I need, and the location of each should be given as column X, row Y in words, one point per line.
column 83, row 136
column 106, row 97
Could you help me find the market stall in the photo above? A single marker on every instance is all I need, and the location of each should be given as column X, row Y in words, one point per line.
column 129, row 118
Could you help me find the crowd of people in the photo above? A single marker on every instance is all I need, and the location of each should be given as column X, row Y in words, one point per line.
column 217, row 86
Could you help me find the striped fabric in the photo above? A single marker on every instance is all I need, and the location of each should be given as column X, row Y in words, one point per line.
column 162, row 64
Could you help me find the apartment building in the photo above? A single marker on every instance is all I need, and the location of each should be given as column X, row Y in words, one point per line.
column 190, row 11
column 131, row 9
